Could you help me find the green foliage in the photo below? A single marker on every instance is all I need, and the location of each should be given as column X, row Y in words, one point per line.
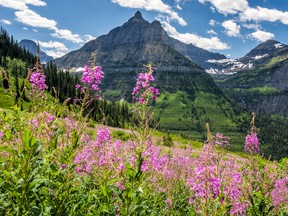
column 167, row 140
column 121, row 135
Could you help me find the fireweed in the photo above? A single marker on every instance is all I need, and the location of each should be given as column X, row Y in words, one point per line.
column 52, row 166
column 89, row 86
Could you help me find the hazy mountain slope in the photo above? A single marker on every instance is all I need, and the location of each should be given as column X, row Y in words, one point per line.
column 263, row 89
column 31, row 46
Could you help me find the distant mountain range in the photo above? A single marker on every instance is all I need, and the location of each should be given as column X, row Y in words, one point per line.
column 31, row 46
column 256, row 57
column 263, row 88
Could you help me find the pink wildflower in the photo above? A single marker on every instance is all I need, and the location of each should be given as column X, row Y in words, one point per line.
column 120, row 186
column 252, row 144
column 280, row 192
column 91, row 78
column 37, row 80
column 142, row 91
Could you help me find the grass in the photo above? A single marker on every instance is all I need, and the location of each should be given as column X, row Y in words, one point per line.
column 188, row 118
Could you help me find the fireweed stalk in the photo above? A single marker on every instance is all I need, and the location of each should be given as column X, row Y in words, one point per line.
column 90, row 81
column 143, row 93
column 252, row 142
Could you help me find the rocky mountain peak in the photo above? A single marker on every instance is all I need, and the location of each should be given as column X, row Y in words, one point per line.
column 266, row 48
column 137, row 17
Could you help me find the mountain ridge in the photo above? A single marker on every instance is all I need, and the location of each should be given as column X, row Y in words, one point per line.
column 122, row 54
column 31, row 46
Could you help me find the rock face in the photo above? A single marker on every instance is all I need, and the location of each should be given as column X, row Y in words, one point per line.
column 263, row 88
column 125, row 49
column 148, row 39
column 31, row 46
column 196, row 54
column 264, row 51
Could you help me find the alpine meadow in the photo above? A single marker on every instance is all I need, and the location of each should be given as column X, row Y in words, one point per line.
column 138, row 122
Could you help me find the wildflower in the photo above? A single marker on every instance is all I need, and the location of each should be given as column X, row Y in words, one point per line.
column 143, row 92
column 35, row 122
column 103, row 135
column 121, row 167
column 144, row 167
column 37, row 80
column 91, row 78
column 220, row 141
column 252, row 144
column 64, row 166
column 238, row 208
column 280, row 192
column 1, row 134
column 120, row 186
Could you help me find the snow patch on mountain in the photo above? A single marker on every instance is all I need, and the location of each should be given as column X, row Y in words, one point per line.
column 278, row 45
column 212, row 71
column 260, row 56
column 221, row 61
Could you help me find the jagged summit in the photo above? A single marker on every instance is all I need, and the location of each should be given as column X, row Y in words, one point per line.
column 137, row 17
column 137, row 32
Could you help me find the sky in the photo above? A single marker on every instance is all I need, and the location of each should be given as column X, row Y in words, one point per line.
column 230, row 27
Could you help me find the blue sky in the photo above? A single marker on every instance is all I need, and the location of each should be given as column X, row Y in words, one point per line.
column 230, row 27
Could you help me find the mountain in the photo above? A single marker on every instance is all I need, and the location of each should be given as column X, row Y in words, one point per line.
column 263, row 88
column 196, row 54
column 31, row 46
column 189, row 96
column 148, row 32
column 256, row 57
column 264, row 51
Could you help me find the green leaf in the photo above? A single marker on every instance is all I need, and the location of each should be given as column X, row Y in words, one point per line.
column 9, row 150
column 7, row 134
column 104, row 191
column 26, row 138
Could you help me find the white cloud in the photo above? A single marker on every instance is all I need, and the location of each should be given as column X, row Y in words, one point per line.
column 54, row 48
column 68, row 35
column 152, row 5
column 6, row 22
column 212, row 43
column 262, row 35
column 35, row 2
column 31, row 18
column 232, row 29
column 35, row 30
column 212, row 9
column 55, row 53
column 228, row 6
column 53, row 45
column 14, row 4
column 212, row 32
column 21, row 4
column 88, row 38
column 178, row 7
column 252, row 26
column 264, row 14
column 25, row 28
column 213, row 22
